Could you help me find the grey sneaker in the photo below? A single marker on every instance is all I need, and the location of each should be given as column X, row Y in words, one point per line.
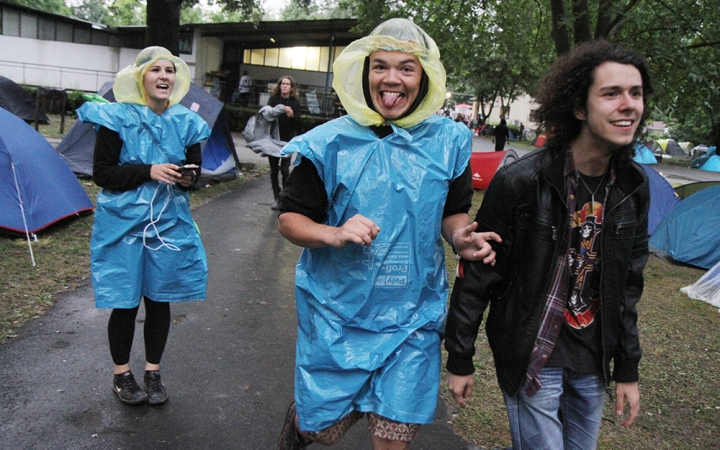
column 274, row 205
column 154, row 387
column 127, row 389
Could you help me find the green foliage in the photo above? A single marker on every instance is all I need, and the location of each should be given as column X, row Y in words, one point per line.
column 315, row 9
column 126, row 12
column 92, row 10
column 52, row 6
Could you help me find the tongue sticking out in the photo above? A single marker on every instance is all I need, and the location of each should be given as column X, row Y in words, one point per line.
column 391, row 100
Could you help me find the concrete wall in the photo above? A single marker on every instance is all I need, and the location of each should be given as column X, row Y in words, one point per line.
column 66, row 65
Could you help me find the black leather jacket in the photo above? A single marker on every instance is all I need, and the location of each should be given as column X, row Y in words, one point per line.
column 526, row 205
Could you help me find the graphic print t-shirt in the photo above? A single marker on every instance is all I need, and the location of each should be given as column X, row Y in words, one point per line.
column 579, row 344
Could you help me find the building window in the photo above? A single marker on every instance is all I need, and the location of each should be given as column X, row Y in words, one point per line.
column 533, row 116
column 313, row 59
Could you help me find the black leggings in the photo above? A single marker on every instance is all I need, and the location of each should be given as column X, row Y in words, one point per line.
column 283, row 166
column 121, row 330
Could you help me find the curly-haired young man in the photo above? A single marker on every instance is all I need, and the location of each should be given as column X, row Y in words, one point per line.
column 568, row 273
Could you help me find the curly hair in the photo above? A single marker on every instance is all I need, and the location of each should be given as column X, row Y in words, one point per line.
column 276, row 89
column 564, row 89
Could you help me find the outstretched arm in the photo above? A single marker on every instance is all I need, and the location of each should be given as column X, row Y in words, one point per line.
column 471, row 246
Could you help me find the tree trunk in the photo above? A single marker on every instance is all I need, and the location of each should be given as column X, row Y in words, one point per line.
column 559, row 33
column 163, row 24
column 581, row 23
column 602, row 26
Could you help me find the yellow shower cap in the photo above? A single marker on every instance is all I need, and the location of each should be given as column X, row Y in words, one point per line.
column 392, row 35
column 129, row 87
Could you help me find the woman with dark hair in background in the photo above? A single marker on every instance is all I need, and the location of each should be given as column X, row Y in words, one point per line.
column 285, row 93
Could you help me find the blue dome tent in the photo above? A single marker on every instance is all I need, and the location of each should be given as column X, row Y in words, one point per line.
column 688, row 233
column 662, row 198
column 643, row 155
column 36, row 187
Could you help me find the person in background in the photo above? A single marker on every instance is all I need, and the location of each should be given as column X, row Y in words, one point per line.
column 574, row 221
column 144, row 242
column 501, row 134
column 371, row 198
column 285, row 93
column 243, row 90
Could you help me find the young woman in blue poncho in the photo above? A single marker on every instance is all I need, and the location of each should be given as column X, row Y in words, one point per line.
column 144, row 242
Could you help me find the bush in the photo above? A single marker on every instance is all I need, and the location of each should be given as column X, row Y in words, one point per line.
column 73, row 100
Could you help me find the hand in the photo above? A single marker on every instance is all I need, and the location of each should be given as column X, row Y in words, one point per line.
column 166, row 173
column 473, row 246
column 460, row 387
column 289, row 111
column 187, row 178
column 358, row 230
column 627, row 392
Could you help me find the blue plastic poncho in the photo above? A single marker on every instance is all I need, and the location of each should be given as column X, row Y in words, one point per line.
column 359, row 305
column 144, row 240
column 379, row 309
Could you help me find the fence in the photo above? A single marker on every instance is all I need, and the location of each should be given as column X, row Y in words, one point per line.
column 313, row 99
column 55, row 76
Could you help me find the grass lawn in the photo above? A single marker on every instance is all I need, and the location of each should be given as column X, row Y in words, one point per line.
column 680, row 395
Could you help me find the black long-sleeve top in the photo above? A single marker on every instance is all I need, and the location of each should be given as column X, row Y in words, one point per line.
column 289, row 126
column 108, row 174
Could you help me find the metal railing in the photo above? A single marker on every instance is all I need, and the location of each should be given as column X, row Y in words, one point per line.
column 57, row 77
column 313, row 99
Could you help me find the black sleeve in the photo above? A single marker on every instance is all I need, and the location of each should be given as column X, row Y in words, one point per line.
column 193, row 155
column 107, row 171
column 460, row 195
column 109, row 174
column 304, row 193
column 297, row 113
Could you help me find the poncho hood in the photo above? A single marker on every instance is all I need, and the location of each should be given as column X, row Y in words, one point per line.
column 392, row 35
column 129, row 87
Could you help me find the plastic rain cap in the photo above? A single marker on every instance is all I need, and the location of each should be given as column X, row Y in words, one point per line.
column 392, row 35
column 129, row 88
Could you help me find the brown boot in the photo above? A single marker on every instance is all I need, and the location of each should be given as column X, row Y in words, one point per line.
column 290, row 437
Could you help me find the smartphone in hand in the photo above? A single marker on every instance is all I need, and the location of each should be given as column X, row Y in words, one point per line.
column 187, row 168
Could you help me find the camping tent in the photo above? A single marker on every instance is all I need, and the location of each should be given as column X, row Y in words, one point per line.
column 689, row 232
column 14, row 99
column 643, row 154
column 712, row 164
column 218, row 152
column 707, row 288
column 701, row 157
column 662, row 198
column 668, row 147
column 36, row 187
column 686, row 190
column 485, row 164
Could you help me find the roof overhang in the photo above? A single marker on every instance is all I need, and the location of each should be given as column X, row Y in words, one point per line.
column 297, row 33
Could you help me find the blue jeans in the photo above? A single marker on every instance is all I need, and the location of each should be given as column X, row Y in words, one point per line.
column 564, row 414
